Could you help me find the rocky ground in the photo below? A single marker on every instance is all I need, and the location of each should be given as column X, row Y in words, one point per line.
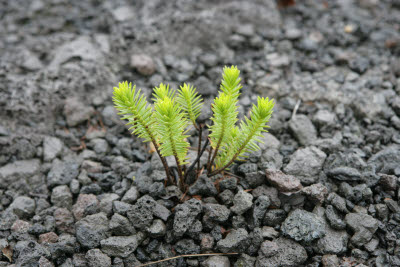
column 323, row 191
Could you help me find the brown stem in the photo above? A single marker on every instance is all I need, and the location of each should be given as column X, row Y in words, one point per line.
column 197, row 159
column 164, row 162
column 199, row 147
column 209, row 157
column 181, row 184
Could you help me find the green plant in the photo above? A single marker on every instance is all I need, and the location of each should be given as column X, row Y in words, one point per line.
column 166, row 122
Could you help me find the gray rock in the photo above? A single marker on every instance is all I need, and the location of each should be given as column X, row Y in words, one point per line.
column 359, row 64
column 271, row 159
column 157, row 229
column 86, row 204
column 29, row 253
column 306, row 164
column 76, row 111
column 120, row 246
column 23, row 207
column 217, row 213
column 161, row 212
column 258, row 211
column 334, row 219
column 203, row 186
column 363, row 226
column 303, row 130
column 274, row 217
column 316, row 192
column 330, row 261
column 81, row 47
column 242, row 202
column 338, row 202
column 324, row 118
column 187, row 246
column 121, row 207
column 388, row 182
column 344, row 174
column 283, row 252
column 64, row 221
column 217, row 261
column 229, row 183
column 62, row 173
column 141, row 214
column 270, row 142
column 143, row 183
column 100, row 146
column 43, row 262
column 61, row 197
column 254, row 179
column 334, row 241
column 185, row 214
column 131, row 195
column 106, row 203
column 143, row 64
column 269, row 232
column 226, row 197
column 123, row 13
column 245, row 260
column 18, row 169
column 247, row 167
column 96, row 258
column 91, row 230
column 304, row 226
column 52, row 147
column 120, row 225
column 74, row 186
column 236, row 241
column 284, row 182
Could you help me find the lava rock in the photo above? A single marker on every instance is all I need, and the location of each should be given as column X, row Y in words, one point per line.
column 185, row 214
column 316, row 192
column 61, row 196
column 217, row 261
column 302, row 225
column 333, row 218
column 143, row 64
column 236, row 241
column 242, row 202
column 76, row 111
column 344, row 174
column 187, row 246
column 157, row 229
column 23, row 207
column 281, row 252
column 203, row 186
column 52, row 147
column 334, row 241
column 29, row 253
column 120, row 226
column 363, row 225
column 284, row 182
column 62, row 173
column 86, row 204
column 96, row 258
column 258, row 211
column 91, row 230
column 306, row 164
column 274, row 217
column 64, row 221
column 131, row 195
column 217, row 213
column 303, row 130
column 141, row 214
column 386, row 160
column 121, row 246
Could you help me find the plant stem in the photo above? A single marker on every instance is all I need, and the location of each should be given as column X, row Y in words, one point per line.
column 197, row 159
column 199, row 147
column 209, row 157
